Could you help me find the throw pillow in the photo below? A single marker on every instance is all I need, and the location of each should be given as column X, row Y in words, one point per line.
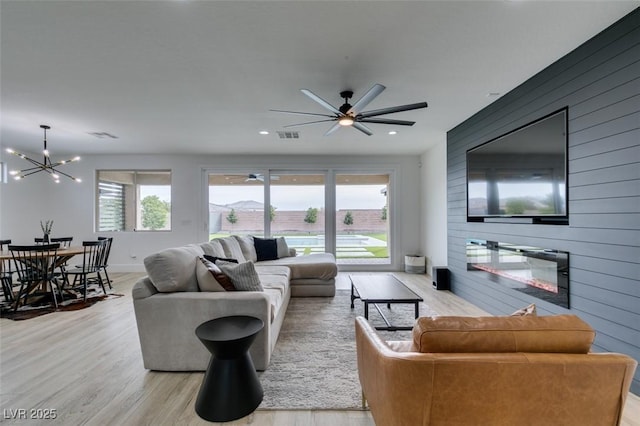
column 283, row 248
column 214, row 259
column 527, row 310
column 205, row 273
column 266, row 248
column 243, row 275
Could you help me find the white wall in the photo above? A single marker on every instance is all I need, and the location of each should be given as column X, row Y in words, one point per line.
column 72, row 206
column 434, row 205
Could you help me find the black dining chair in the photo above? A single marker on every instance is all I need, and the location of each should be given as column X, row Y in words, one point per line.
column 65, row 242
column 91, row 261
column 6, row 274
column 34, row 266
column 105, row 258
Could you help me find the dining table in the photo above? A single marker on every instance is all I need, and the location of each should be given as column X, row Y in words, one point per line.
column 63, row 255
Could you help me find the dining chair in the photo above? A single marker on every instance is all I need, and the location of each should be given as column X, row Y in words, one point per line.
column 91, row 260
column 105, row 258
column 34, row 266
column 6, row 274
column 65, row 242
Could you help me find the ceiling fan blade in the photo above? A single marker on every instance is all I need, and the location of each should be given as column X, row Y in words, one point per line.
column 301, row 113
column 364, row 129
column 321, row 101
column 391, row 110
column 308, row 122
column 364, row 100
column 387, row 121
column 333, row 129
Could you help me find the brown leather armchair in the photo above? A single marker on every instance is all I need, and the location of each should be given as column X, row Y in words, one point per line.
column 492, row 371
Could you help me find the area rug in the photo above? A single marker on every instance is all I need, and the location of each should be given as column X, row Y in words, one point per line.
column 72, row 302
column 314, row 362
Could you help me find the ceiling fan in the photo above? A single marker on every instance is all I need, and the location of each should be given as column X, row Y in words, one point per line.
column 259, row 177
column 352, row 115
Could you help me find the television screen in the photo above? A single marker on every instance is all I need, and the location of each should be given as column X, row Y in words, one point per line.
column 521, row 174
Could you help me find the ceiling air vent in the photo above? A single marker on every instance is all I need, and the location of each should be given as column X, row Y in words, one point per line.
column 289, row 135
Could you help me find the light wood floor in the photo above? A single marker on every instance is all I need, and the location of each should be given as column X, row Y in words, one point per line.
column 86, row 365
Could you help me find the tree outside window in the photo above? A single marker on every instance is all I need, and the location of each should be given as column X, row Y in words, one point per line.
column 154, row 212
column 348, row 218
column 133, row 200
column 312, row 215
column 232, row 218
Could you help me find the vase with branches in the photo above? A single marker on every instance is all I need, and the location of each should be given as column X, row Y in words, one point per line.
column 46, row 229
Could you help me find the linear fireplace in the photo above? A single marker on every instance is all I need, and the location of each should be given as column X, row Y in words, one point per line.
column 539, row 272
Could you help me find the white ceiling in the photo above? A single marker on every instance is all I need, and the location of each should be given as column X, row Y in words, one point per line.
column 200, row 76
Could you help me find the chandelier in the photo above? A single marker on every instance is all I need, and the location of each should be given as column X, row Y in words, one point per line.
column 45, row 166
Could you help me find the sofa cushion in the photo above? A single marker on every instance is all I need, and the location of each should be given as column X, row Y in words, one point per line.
column 232, row 248
column 243, row 275
column 246, row 245
column 320, row 266
column 205, row 274
column 275, row 287
column 263, row 269
column 213, row 248
column 548, row 334
column 174, row 269
column 283, row 248
column 266, row 248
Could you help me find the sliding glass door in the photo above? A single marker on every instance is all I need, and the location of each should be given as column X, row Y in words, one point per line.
column 298, row 210
column 345, row 213
column 362, row 218
column 236, row 204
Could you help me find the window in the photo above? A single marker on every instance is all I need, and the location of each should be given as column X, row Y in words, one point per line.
column 236, row 204
column 362, row 212
column 347, row 213
column 298, row 200
column 133, row 200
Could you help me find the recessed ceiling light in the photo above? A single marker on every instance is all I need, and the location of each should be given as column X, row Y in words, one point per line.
column 393, row 132
column 493, row 94
column 263, row 132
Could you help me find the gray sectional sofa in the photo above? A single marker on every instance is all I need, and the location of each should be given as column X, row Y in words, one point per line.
column 169, row 305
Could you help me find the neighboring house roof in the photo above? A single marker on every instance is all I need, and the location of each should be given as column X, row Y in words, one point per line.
column 238, row 205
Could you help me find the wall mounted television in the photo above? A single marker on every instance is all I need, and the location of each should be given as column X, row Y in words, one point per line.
column 521, row 176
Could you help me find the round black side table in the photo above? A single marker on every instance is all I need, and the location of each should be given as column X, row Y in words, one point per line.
column 230, row 389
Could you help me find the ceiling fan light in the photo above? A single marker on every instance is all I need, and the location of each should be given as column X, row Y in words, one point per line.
column 346, row 121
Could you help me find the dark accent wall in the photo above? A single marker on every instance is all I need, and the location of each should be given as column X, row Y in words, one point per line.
column 600, row 83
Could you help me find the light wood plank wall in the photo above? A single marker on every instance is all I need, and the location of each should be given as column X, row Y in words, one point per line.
column 600, row 83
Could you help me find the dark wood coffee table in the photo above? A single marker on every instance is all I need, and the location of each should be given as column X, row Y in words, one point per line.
column 374, row 289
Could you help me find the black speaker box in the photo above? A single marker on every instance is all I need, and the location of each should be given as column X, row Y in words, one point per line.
column 440, row 276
